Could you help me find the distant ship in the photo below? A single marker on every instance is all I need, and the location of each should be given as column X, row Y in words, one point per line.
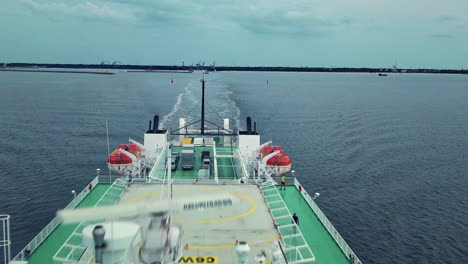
column 383, row 74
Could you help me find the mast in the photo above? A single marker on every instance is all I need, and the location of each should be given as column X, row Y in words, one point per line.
column 202, row 129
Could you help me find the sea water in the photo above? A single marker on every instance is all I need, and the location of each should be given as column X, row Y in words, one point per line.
column 389, row 155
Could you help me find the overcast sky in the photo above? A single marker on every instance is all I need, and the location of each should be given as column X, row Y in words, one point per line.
column 332, row 33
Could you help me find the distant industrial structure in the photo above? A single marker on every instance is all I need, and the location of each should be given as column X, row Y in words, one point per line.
column 115, row 63
column 11, row 66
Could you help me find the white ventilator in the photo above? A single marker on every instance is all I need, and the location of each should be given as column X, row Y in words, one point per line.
column 242, row 252
column 110, row 241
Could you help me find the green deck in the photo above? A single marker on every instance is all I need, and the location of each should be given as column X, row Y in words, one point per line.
column 320, row 241
column 225, row 165
column 45, row 252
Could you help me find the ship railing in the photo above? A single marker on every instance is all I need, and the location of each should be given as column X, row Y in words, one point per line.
column 215, row 162
column 73, row 251
column 296, row 249
column 159, row 167
column 39, row 238
column 339, row 240
column 243, row 164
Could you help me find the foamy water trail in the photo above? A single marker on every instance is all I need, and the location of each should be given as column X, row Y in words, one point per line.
column 222, row 100
column 174, row 110
column 185, row 101
column 228, row 107
column 232, row 110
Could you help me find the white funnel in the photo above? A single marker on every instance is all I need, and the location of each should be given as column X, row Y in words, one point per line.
column 242, row 252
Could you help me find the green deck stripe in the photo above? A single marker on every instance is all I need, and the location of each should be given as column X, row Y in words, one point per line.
column 46, row 251
column 323, row 246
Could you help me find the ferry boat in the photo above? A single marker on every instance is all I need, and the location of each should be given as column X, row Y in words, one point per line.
column 157, row 211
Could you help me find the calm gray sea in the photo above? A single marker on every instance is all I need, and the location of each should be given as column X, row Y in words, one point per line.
column 389, row 155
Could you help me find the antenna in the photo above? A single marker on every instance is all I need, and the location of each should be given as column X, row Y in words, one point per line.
column 202, row 130
column 108, row 151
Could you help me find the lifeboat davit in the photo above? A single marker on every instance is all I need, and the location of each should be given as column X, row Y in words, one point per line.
column 281, row 162
column 123, row 157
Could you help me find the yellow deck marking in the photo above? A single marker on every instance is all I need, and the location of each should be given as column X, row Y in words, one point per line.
column 271, row 239
column 210, row 247
column 230, row 246
column 150, row 193
column 252, row 209
column 199, row 259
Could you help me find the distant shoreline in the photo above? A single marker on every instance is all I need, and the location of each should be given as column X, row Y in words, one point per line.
column 77, row 68
column 57, row 71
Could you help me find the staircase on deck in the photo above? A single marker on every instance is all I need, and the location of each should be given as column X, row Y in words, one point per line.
column 296, row 248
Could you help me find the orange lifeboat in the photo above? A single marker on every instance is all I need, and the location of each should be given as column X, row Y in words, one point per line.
column 281, row 162
column 118, row 160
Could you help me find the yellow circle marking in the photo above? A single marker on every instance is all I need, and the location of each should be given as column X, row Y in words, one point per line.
column 150, row 193
column 252, row 209
column 232, row 245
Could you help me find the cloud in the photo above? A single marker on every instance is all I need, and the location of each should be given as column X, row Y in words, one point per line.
column 442, row 36
column 289, row 23
column 88, row 10
column 447, row 18
column 294, row 17
column 281, row 17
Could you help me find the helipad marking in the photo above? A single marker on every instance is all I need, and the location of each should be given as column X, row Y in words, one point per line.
column 233, row 245
column 254, row 207
column 271, row 239
column 199, row 259
column 150, row 193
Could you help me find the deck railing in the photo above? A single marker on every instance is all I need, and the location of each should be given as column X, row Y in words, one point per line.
column 243, row 164
column 39, row 238
column 349, row 253
column 74, row 252
column 159, row 167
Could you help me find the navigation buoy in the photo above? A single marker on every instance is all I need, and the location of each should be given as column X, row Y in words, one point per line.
column 172, row 81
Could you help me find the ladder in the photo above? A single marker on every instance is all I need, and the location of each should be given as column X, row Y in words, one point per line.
column 296, row 249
